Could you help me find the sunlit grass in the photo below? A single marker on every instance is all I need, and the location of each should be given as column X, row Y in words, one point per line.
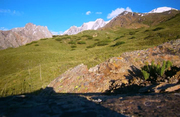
column 35, row 65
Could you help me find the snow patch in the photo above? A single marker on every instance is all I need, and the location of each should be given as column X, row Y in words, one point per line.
column 162, row 9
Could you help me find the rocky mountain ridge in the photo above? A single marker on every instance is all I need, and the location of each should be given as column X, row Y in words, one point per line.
column 127, row 21
column 92, row 25
column 20, row 36
column 137, row 20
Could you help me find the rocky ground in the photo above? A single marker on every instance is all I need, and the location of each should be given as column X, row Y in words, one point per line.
column 91, row 105
column 121, row 72
column 113, row 88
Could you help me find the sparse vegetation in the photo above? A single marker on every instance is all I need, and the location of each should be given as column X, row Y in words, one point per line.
column 103, row 42
column 158, row 28
column 73, row 46
column 72, row 42
column 118, row 43
column 81, row 42
column 154, row 71
column 132, row 37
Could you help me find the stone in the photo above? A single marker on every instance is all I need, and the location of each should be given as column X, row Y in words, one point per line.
column 146, row 89
column 173, row 88
column 164, row 87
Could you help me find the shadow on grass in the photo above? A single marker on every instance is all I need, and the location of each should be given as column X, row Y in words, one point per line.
column 46, row 102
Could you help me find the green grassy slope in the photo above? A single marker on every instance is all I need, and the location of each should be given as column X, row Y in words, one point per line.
column 33, row 66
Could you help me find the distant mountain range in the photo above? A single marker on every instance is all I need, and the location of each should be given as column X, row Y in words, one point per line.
column 92, row 25
column 21, row 36
column 137, row 20
column 123, row 21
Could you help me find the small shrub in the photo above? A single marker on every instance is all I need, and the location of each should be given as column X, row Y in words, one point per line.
column 73, row 46
column 87, row 36
column 81, row 42
column 36, row 44
column 91, row 46
column 132, row 33
column 28, row 44
column 58, row 39
column 31, row 43
column 132, row 37
column 158, row 28
column 163, row 68
column 103, row 43
column 72, row 42
column 44, row 39
column 146, row 31
column 155, row 70
column 96, row 39
column 118, row 43
column 145, row 74
column 90, row 38
column 118, row 38
column 178, row 36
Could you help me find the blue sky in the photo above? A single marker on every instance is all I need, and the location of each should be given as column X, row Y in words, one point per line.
column 59, row 15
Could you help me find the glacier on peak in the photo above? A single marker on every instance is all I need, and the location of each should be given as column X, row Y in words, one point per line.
column 162, row 9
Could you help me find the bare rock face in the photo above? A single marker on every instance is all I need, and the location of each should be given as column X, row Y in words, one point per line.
column 21, row 36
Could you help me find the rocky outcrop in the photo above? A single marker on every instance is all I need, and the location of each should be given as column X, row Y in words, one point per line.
column 121, row 74
column 21, row 36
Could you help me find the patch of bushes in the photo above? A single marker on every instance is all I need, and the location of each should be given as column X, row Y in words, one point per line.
column 154, row 71
column 146, row 31
column 103, row 42
column 72, row 42
column 178, row 36
column 31, row 43
column 58, row 39
column 132, row 37
column 96, row 39
column 55, row 35
column 148, row 37
column 132, row 33
column 158, row 28
column 118, row 38
column 73, row 46
column 44, row 39
column 118, row 43
column 91, row 46
column 81, row 42
column 87, row 36
column 36, row 45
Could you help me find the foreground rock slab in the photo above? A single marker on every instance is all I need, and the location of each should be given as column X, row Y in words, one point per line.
column 91, row 105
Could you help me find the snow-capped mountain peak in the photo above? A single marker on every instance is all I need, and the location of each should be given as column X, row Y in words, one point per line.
column 162, row 9
column 92, row 25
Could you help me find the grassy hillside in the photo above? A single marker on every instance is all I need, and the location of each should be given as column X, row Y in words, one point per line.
column 33, row 66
